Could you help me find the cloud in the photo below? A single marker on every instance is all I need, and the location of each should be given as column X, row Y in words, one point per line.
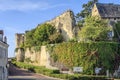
column 25, row 5
column 20, row 5
column 54, row 6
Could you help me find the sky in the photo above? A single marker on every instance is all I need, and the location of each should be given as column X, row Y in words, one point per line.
column 17, row 16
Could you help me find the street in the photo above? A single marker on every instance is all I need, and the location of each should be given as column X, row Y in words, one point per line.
column 21, row 74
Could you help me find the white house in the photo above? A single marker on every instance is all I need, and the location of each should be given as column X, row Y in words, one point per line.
column 3, row 57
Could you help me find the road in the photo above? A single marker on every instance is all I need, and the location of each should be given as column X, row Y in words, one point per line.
column 21, row 74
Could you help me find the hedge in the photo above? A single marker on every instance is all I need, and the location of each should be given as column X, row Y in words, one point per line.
column 56, row 73
column 87, row 55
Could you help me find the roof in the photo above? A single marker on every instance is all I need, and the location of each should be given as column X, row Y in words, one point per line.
column 108, row 10
column 1, row 31
column 4, row 44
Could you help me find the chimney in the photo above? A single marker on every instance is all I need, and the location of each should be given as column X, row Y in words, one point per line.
column 5, row 39
column 1, row 35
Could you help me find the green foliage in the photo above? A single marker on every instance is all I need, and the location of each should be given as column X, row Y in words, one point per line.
column 43, row 32
column 73, row 40
column 27, row 60
column 87, row 55
column 16, row 49
column 87, row 8
column 56, row 38
column 37, row 48
column 29, row 41
column 116, row 28
column 56, row 73
column 42, row 35
column 94, row 29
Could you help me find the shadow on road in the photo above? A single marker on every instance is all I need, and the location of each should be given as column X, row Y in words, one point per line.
column 14, row 71
column 22, row 79
column 21, row 74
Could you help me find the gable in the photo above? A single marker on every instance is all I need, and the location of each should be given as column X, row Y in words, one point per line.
column 95, row 11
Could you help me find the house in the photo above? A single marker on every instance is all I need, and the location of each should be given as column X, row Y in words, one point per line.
column 108, row 11
column 3, row 57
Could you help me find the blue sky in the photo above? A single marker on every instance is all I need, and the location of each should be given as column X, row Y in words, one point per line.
column 17, row 16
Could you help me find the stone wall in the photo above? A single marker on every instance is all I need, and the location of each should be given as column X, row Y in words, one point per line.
column 39, row 58
column 19, row 39
column 95, row 11
column 33, row 56
column 65, row 23
column 20, row 54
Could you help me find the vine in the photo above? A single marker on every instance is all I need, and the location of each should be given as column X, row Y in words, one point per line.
column 88, row 55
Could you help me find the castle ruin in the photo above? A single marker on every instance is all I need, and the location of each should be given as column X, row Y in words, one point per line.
column 65, row 23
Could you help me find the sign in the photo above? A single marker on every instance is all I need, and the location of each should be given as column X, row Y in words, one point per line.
column 97, row 70
column 110, row 34
column 77, row 69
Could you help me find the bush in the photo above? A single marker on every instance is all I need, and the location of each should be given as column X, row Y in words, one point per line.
column 56, row 73
column 87, row 55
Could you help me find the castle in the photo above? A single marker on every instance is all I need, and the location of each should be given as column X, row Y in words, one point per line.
column 66, row 24
column 66, row 21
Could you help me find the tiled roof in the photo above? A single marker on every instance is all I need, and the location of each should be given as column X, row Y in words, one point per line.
column 108, row 10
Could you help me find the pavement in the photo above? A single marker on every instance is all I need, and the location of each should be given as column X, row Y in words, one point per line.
column 22, row 74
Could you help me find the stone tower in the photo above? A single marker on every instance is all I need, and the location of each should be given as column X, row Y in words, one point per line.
column 19, row 51
column 19, row 39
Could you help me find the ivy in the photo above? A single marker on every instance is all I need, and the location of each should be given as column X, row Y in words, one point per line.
column 86, row 54
column 43, row 34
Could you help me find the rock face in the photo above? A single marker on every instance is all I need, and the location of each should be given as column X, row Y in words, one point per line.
column 65, row 23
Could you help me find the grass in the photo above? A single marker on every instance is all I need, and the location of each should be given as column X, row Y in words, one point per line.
column 56, row 73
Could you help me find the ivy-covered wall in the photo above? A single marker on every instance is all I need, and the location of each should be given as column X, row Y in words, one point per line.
column 87, row 55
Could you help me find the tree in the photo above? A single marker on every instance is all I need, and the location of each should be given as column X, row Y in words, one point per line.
column 29, row 38
column 43, row 34
column 94, row 29
column 56, row 38
column 116, row 29
column 87, row 8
